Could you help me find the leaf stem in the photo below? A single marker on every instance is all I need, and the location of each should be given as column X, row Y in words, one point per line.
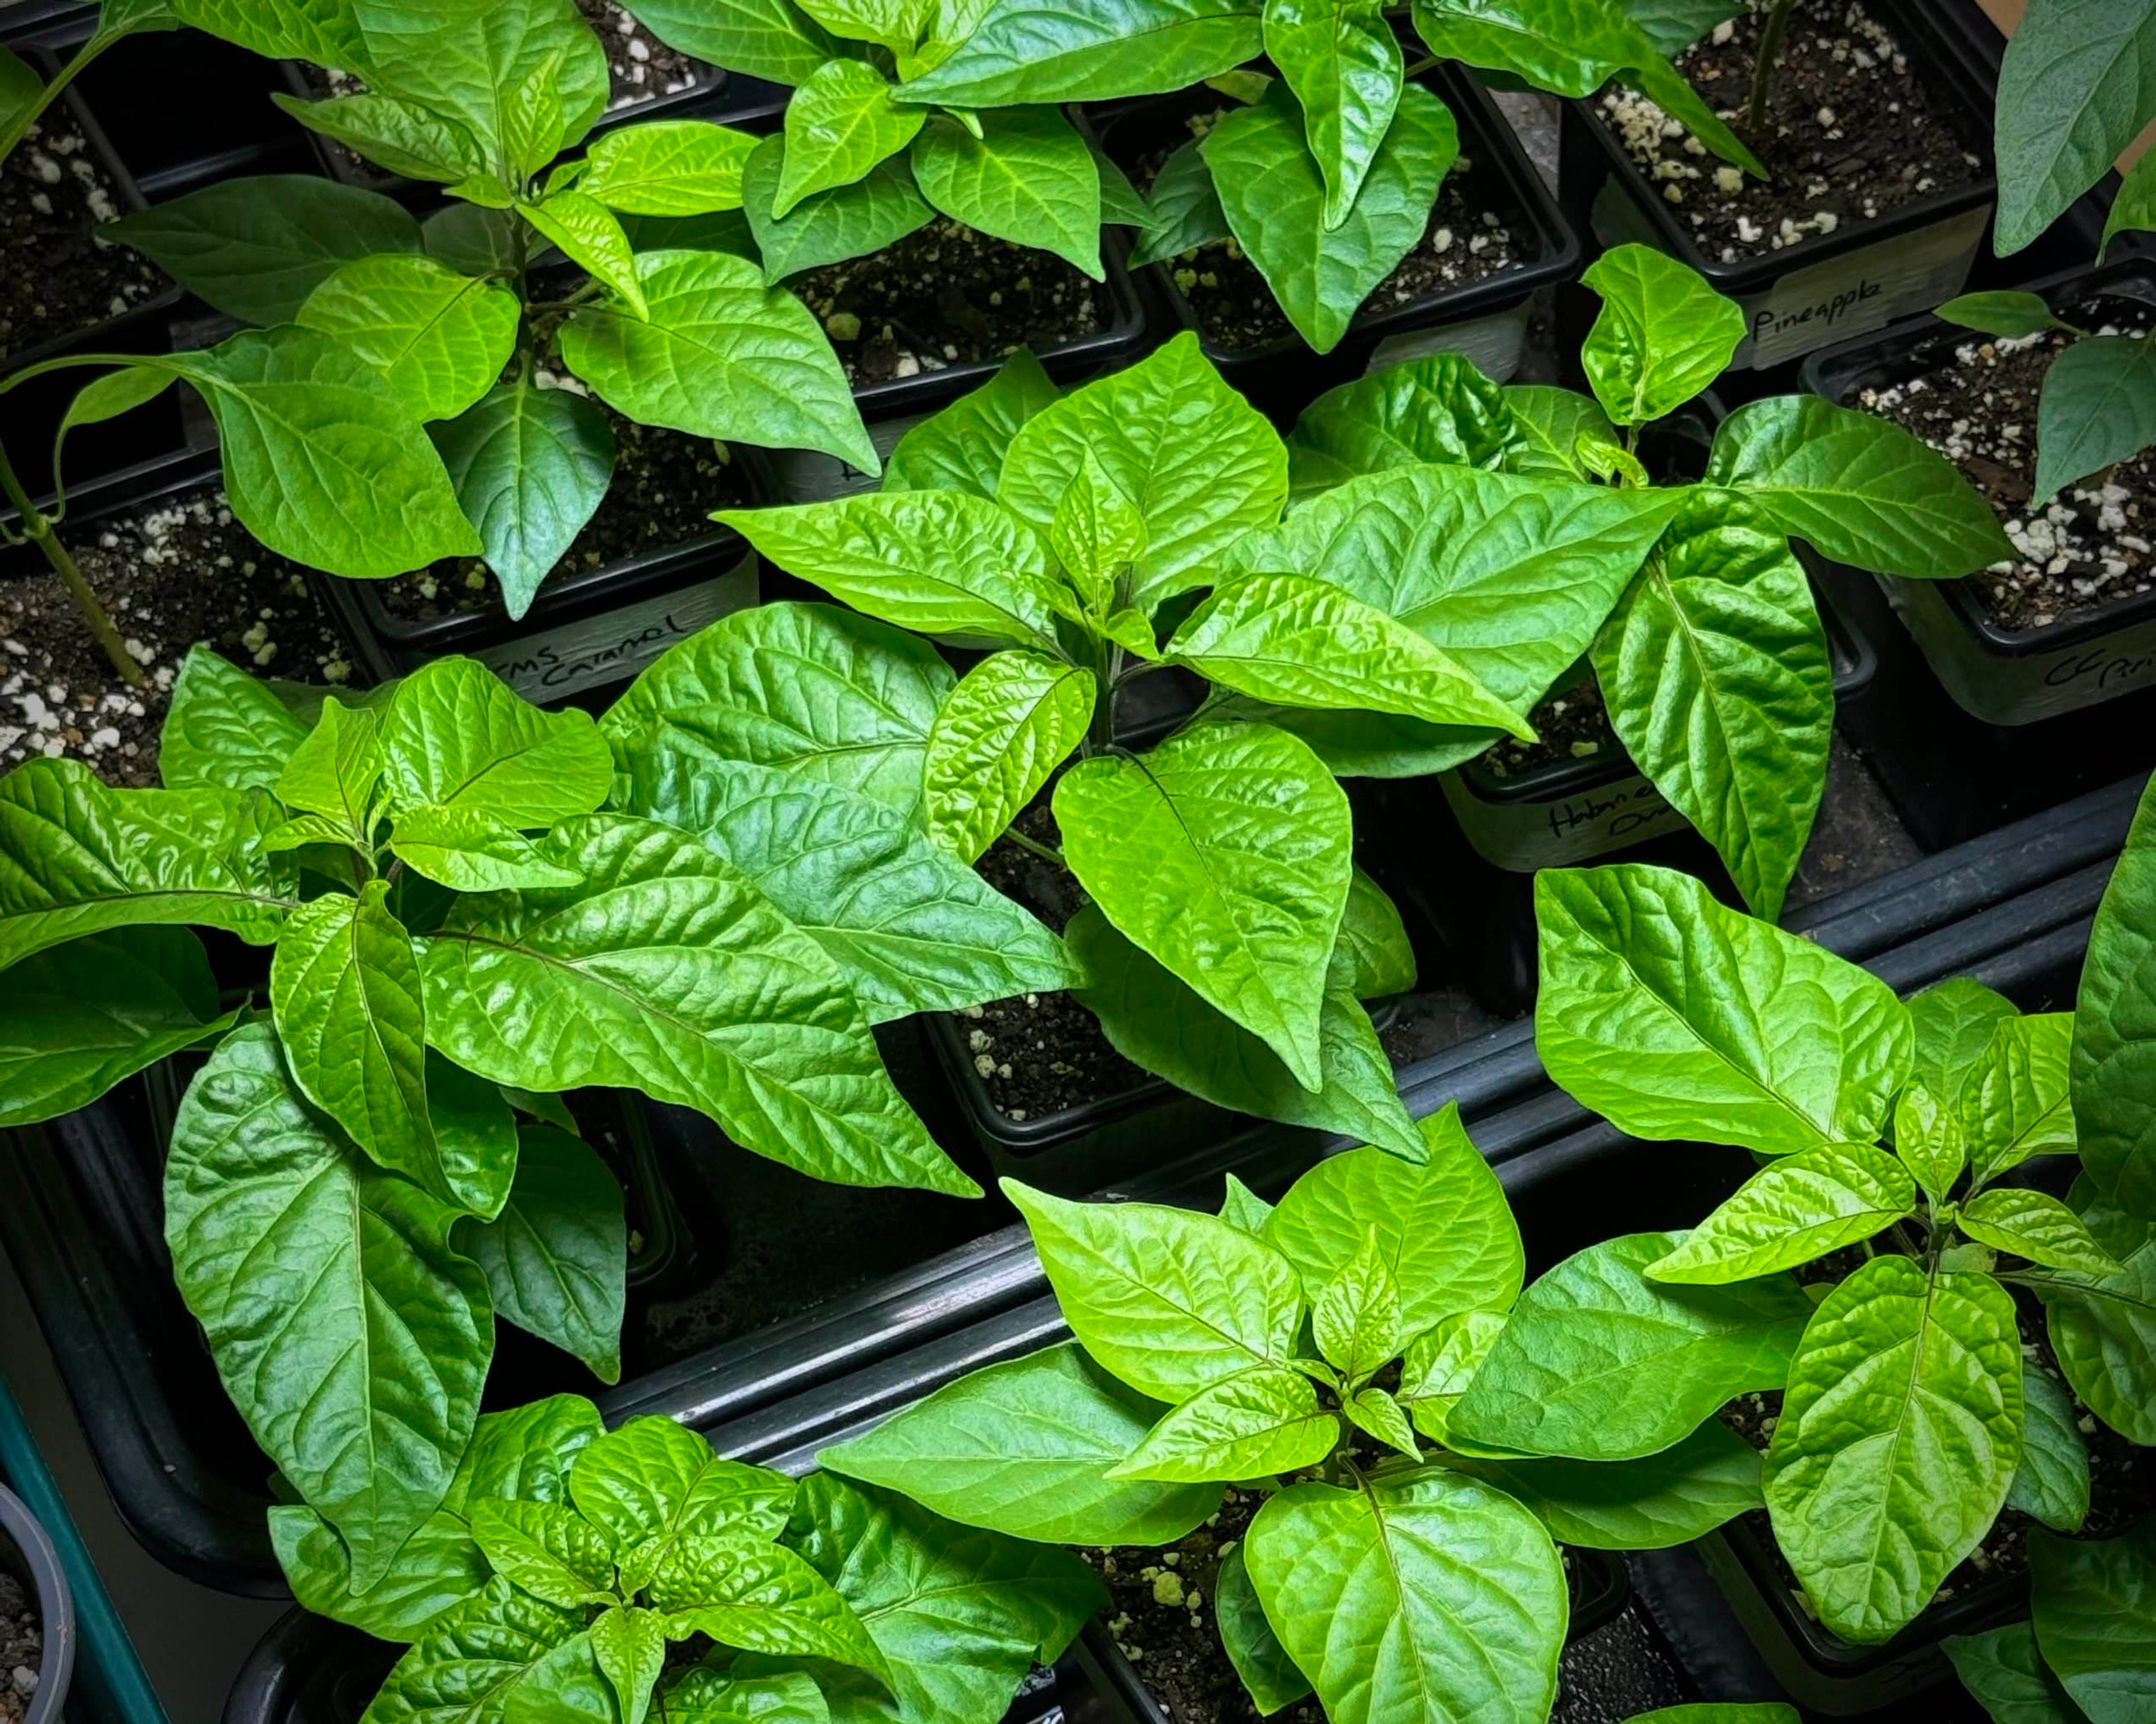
column 1764, row 61
column 19, row 127
column 36, row 526
column 1047, row 852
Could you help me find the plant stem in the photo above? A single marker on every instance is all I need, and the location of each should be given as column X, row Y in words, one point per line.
column 86, row 601
column 1765, row 59
column 1047, row 852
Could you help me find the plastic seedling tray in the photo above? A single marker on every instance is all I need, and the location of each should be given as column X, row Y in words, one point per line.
column 1487, row 320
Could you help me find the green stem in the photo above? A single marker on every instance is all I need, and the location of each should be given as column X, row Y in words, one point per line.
column 1763, row 62
column 1047, row 852
column 20, row 128
column 63, row 565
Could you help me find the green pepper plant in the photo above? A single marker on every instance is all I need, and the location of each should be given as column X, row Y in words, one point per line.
column 1712, row 662
column 579, row 1573
column 459, row 929
column 1306, row 1351
column 1229, row 939
column 389, row 409
column 1910, row 1416
column 1327, row 178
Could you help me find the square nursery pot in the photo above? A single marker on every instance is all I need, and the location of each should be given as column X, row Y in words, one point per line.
column 1976, row 722
column 1824, row 287
column 587, row 632
column 1485, row 320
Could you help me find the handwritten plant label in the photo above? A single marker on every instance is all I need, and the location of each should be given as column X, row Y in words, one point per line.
column 1561, row 831
column 1493, row 344
column 1849, row 294
column 2018, row 689
column 614, row 645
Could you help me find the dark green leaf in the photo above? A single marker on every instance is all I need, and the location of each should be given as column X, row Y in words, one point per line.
column 2078, row 84
column 2104, row 1329
column 1187, row 211
column 2052, row 1483
column 2094, row 1607
column 2113, row 1066
column 1268, row 1674
column 2003, row 1669
column 758, row 38
column 877, row 211
column 2098, row 408
column 1041, row 51
column 556, row 1256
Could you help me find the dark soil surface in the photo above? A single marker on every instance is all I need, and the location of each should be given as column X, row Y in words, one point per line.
column 22, row 1648
column 641, row 65
column 1040, row 1053
column 1469, row 238
column 180, row 572
column 1570, row 724
column 1622, row 1669
column 949, row 296
column 59, row 276
column 1975, row 400
column 665, row 487
column 2121, row 1477
column 1854, row 132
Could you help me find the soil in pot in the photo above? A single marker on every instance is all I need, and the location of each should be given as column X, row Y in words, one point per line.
column 949, row 295
column 640, row 65
column 1854, row 132
column 1161, row 1617
column 22, row 1648
column 2122, row 1476
column 1469, row 238
column 178, row 570
column 60, row 276
column 665, row 486
column 1975, row 400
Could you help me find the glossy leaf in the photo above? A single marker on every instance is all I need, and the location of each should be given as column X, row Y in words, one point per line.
column 531, row 467
column 78, row 1018
column 2003, row 1669
column 1224, row 854
column 630, row 1646
column 277, row 29
column 718, row 354
column 1675, row 1018
column 350, row 1336
column 1243, row 1208
column 1024, row 1448
column 1929, row 1138
column 556, row 1255
column 224, row 728
column 1355, row 1316
column 545, row 1549
column 1013, row 719
column 668, row 167
column 334, row 770
column 913, row 928
column 2014, row 1100
column 2095, row 411
column 1552, row 424
column 441, row 339
column 809, row 688
column 1440, row 410
column 759, row 38
column 1041, row 51
column 401, row 137
column 78, row 857
column 701, row 1695
column 322, row 462
column 1662, row 335
column 480, row 65
column 1303, row 641
column 840, row 123
column 1167, row 1300
column 1155, row 1021
column 1444, row 1229
column 877, row 211
column 2093, row 1603
column 1421, row 1596
column 2000, row 314
column 2113, row 1064
column 1438, row 1365
column 457, row 736
column 2132, row 211
column 759, row 1597
column 1275, row 199
column 1341, row 60
column 255, row 249
column 1255, row 1424
column 1953, row 1020
column 1600, row 1363
column 2051, row 1485
column 651, row 1485
column 1096, row 534
column 1201, row 463
column 2037, row 1226
column 1652, row 1503
column 666, row 973
column 1029, row 178
column 1511, row 576
column 1186, row 209
column 1899, row 1436
column 940, row 563
column 1792, row 1212
column 1860, row 490
column 494, row 1652
column 2103, row 1330
column 1373, row 956
column 961, row 447
column 1714, row 669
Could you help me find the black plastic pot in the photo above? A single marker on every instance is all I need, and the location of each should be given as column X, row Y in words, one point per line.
column 1487, row 320
column 1973, row 724
column 1826, row 286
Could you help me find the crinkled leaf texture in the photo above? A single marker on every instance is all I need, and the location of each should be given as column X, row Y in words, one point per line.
column 457, row 736
column 350, row 1336
column 1420, row 1596
column 1439, row 411
column 2114, row 1042
column 1048, row 51
column 1663, row 335
column 2104, row 1327
column 914, row 928
column 1899, row 1436
column 1674, row 1017
column 667, row 971
column 1796, row 1210
column 1013, row 719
